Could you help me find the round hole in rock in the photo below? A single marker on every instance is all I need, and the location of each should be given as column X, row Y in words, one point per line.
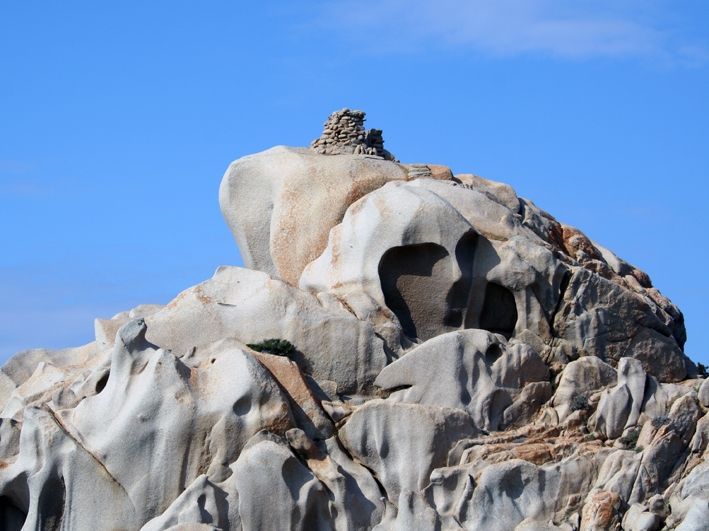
column 416, row 280
column 493, row 353
column 499, row 312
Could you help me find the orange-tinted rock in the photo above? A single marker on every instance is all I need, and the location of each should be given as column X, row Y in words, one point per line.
column 601, row 512
column 309, row 413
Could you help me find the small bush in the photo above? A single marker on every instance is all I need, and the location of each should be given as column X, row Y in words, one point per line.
column 702, row 370
column 279, row 347
column 662, row 420
column 579, row 403
column 630, row 439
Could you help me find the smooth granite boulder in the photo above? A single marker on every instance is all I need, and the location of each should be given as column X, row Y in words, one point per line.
column 690, row 499
column 515, row 491
column 461, row 370
column 423, row 435
column 201, row 503
column 424, row 268
column 276, row 491
column 620, row 407
column 280, row 204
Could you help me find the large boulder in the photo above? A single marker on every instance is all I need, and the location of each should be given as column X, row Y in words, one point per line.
column 268, row 470
column 429, row 267
column 462, row 370
column 619, row 408
column 518, row 492
column 403, row 443
column 280, row 204
column 598, row 317
column 690, row 499
column 422, row 258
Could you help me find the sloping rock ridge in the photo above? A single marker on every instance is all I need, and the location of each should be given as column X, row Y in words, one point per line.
column 405, row 349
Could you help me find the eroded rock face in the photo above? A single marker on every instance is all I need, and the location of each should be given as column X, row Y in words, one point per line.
column 281, row 204
column 138, row 441
column 474, row 370
column 599, row 318
column 424, row 437
column 332, row 345
column 422, row 258
column 453, row 358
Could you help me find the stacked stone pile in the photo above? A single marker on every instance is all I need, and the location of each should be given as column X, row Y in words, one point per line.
column 344, row 133
column 375, row 141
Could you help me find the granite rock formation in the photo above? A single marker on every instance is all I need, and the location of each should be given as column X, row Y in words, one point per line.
column 457, row 359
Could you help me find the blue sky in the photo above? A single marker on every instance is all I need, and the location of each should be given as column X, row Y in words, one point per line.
column 117, row 121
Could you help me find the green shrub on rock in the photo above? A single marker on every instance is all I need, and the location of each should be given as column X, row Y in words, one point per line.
column 630, row 439
column 279, row 347
column 579, row 403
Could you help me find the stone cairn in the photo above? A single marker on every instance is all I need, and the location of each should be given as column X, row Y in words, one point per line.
column 344, row 133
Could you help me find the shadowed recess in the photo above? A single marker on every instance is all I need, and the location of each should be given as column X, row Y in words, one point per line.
column 499, row 313
column 460, row 291
column 415, row 286
column 12, row 518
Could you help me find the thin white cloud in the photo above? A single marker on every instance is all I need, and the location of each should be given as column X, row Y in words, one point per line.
column 21, row 188
column 563, row 28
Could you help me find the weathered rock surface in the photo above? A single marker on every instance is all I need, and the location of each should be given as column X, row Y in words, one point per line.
column 448, row 356
column 332, row 344
column 281, row 204
column 474, row 370
column 425, row 435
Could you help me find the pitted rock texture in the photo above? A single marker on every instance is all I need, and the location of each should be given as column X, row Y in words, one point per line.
column 460, row 360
